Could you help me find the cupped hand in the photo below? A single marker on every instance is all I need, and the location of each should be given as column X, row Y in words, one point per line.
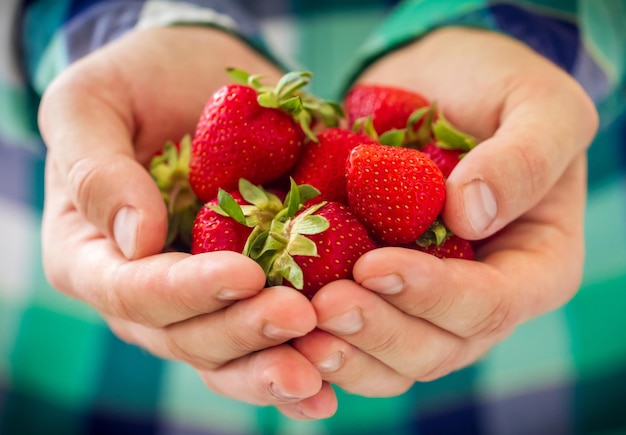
column 412, row 317
column 104, row 221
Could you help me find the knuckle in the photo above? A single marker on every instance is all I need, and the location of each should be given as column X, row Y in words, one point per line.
column 497, row 323
column 119, row 305
column 431, row 305
column 438, row 365
column 178, row 351
column 535, row 162
column 387, row 343
column 240, row 341
column 83, row 176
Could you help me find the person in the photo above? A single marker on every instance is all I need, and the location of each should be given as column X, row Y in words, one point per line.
column 133, row 340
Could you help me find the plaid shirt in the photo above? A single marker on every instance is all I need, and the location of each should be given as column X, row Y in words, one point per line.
column 61, row 369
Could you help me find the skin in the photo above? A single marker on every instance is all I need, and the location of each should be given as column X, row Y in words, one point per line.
column 412, row 317
column 407, row 316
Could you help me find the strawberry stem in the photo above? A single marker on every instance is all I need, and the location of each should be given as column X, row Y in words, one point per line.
column 288, row 95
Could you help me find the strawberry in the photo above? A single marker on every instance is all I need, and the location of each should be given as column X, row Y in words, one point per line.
column 449, row 144
column 389, row 107
column 253, row 131
column 439, row 241
column 214, row 231
column 314, row 247
column 170, row 170
column 446, row 159
column 339, row 247
column 435, row 136
column 396, row 192
column 322, row 163
column 453, row 246
column 229, row 220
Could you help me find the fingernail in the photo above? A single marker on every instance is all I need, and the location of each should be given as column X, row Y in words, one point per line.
column 330, row 364
column 229, row 294
column 346, row 323
column 480, row 205
column 387, row 285
column 125, row 230
column 280, row 394
column 276, row 333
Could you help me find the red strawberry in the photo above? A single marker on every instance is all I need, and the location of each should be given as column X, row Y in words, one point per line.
column 315, row 247
column 338, row 248
column 436, row 137
column 227, row 222
column 446, row 159
column 396, row 192
column 439, row 241
column 236, row 137
column 452, row 247
column 322, row 164
column 389, row 107
column 213, row 231
column 448, row 146
column 252, row 131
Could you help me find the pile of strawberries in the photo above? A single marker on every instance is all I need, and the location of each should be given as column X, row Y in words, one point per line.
column 270, row 173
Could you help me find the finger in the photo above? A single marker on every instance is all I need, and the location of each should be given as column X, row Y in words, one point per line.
column 92, row 157
column 168, row 288
column 354, row 371
column 209, row 341
column 467, row 298
column 98, row 119
column 275, row 376
column 411, row 346
column 154, row 291
column 512, row 171
column 532, row 118
column 479, row 299
column 322, row 405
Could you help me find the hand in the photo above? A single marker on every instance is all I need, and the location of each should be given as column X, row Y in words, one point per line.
column 104, row 221
column 412, row 317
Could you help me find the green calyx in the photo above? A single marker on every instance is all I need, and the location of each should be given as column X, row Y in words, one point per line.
column 170, row 171
column 418, row 138
column 393, row 137
column 285, row 239
column 262, row 206
column 436, row 235
column 288, row 95
column 449, row 137
column 273, row 248
column 279, row 228
column 432, row 127
column 407, row 137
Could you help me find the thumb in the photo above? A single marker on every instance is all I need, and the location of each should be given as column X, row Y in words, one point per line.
column 506, row 175
column 117, row 195
column 91, row 151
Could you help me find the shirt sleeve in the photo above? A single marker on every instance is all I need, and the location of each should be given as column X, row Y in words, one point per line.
column 56, row 33
column 583, row 37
